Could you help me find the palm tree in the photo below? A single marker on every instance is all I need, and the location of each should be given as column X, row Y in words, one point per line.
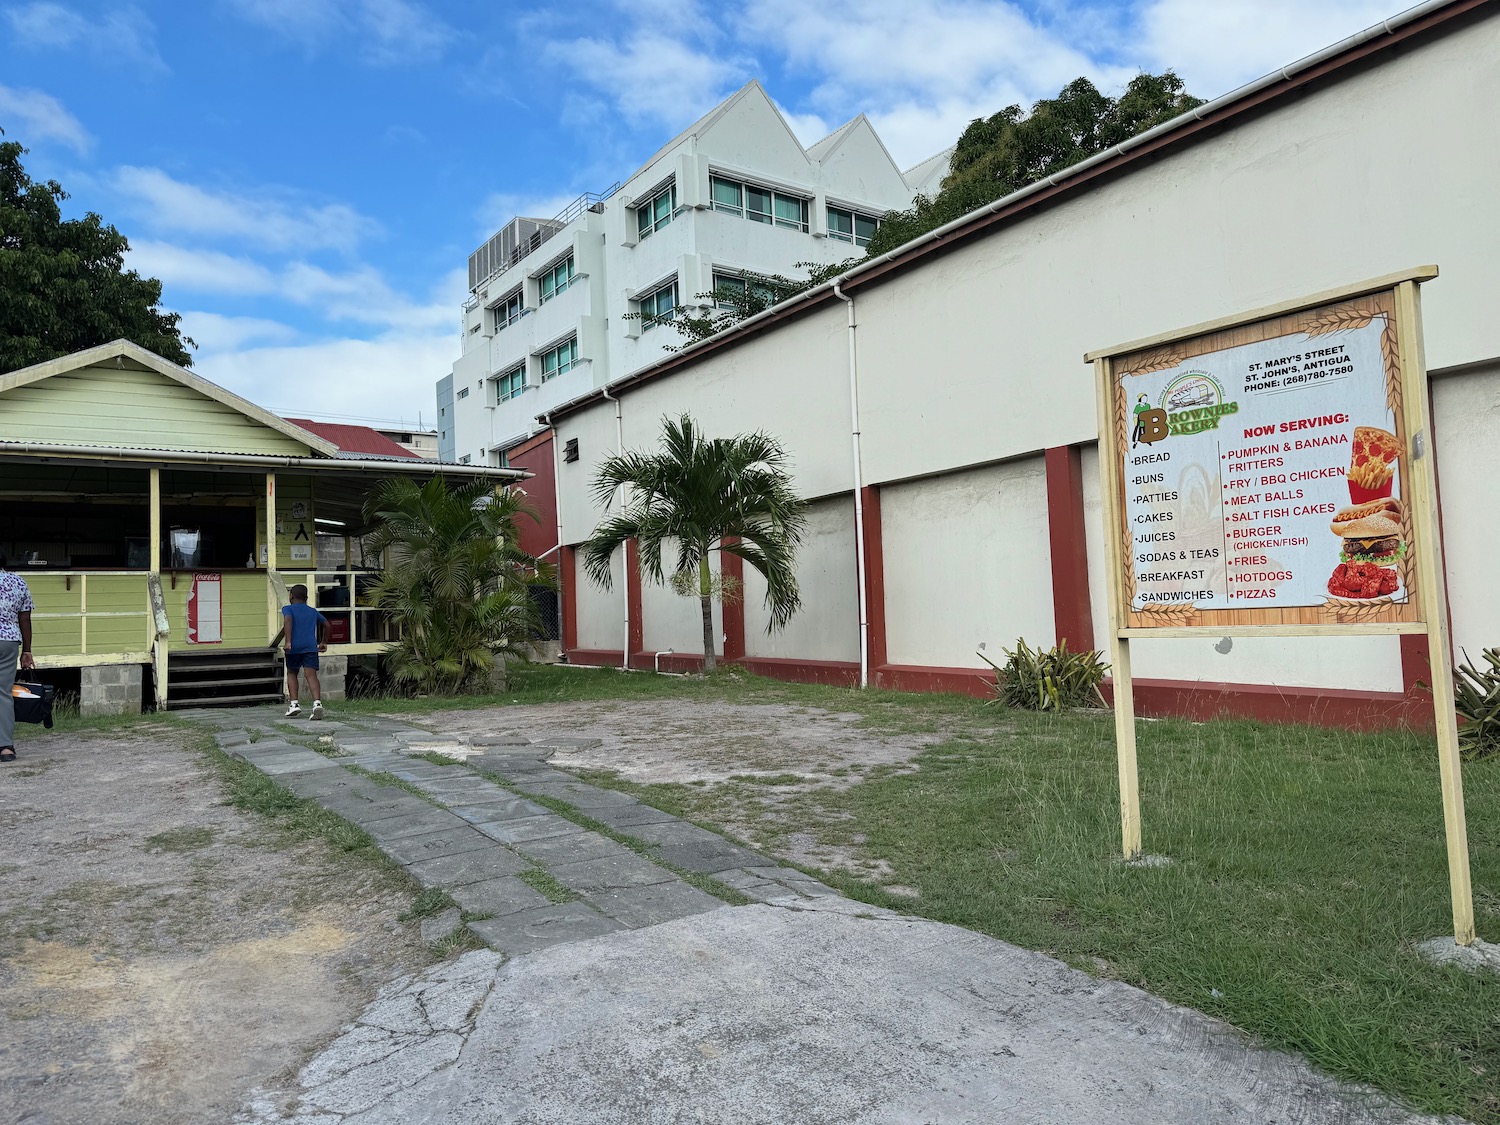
column 702, row 495
column 456, row 581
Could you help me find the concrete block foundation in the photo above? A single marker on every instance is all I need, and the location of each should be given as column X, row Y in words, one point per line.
column 110, row 689
column 333, row 674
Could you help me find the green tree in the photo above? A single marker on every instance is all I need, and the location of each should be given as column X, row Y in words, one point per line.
column 456, row 582
column 700, row 495
column 63, row 282
column 732, row 301
column 1001, row 154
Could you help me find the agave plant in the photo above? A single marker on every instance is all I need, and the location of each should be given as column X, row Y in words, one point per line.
column 1036, row 679
column 456, row 582
column 1476, row 693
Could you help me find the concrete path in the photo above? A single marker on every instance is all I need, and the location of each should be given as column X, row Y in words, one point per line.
column 644, row 999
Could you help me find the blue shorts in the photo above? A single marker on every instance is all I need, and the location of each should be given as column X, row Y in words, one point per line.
column 296, row 661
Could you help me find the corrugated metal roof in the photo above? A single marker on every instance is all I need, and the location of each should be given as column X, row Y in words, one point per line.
column 357, row 441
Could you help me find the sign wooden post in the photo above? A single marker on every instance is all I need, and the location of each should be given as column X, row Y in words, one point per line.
column 1271, row 474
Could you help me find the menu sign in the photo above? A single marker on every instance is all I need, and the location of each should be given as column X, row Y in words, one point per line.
column 1261, row 470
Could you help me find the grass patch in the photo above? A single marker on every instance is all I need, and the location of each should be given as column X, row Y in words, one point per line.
column 771, row 779
column 430, row 901
column 461, row 940
column 436, row 759
column 181, row 839
column 1307, row 863
column 706, row 883
column 388, row 780
column 249, row 789
column 539, row 879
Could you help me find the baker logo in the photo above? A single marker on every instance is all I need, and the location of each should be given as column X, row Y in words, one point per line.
column 1150, row 422
column 1194, row 402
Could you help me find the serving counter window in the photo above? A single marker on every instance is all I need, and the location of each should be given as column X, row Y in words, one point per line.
column 59, row 517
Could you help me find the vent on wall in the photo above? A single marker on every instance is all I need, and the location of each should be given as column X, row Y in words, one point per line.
column 570, row 449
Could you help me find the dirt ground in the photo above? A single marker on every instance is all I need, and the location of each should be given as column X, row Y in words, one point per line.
column 775, row 758
column 164, row 955
column 682, row 741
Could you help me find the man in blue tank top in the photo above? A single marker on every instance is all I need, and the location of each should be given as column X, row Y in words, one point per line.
column 304, row 634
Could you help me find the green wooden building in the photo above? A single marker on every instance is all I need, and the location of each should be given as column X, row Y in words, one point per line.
column 159, row 519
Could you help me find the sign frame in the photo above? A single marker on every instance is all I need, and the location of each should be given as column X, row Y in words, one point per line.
column 1425, row 611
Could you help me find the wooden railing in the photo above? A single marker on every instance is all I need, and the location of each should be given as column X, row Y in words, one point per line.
column 101, row 616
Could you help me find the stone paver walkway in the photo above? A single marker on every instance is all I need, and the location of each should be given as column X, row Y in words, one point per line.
column 618, row 991
column 473, row 828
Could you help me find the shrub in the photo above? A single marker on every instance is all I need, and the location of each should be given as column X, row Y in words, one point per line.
column 1476, row 694
column 1048, row 679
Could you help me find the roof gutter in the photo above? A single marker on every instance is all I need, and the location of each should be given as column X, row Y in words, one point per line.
column 1083, row 169
column 319, row 464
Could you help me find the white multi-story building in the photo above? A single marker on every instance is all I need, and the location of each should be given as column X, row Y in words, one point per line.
column 548, row 315
column 424, row 443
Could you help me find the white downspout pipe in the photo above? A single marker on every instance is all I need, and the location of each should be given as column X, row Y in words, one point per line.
column 557, row 502
column 624, row 553
column 859, row 499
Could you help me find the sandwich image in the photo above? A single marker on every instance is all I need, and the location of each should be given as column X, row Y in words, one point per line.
column 1373, row 546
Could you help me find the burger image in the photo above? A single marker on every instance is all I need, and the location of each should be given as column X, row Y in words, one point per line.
column 1373, row 546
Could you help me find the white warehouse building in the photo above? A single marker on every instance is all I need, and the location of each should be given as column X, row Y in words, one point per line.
column 548, row 316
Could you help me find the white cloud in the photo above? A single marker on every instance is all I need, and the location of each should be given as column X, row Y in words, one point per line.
column 391, row 376
column 214, row 332
column 168, row 204
column 360, row 295
column 922, row 69
column 31, row 115
column 123, row 33
column 1220, row 46
column 200, row 271
column 808, row 127
column 388, row 32
column 650, row 77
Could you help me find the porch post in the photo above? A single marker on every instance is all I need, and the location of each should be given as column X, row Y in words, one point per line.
column 158, row 642
column 349, row 582
column 272, row 609
column 155, row 521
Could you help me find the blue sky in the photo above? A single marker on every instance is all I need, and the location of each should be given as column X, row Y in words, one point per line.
column 307, row 177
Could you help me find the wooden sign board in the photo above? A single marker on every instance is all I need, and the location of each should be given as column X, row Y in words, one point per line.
column 1262, row 478
column 1270, row 474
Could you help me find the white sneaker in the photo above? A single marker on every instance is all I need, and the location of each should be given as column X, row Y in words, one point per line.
column 294, row 711
column 317, row 711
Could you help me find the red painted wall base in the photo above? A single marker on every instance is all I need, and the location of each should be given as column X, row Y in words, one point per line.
column 1180, row 699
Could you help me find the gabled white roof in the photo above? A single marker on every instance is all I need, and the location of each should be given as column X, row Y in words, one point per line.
column 819, row 149
column 925, row 178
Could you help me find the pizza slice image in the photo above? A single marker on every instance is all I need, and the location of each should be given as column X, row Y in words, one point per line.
column 1372, row 445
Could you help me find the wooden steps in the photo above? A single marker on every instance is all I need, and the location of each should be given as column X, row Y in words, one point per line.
column 224, row 678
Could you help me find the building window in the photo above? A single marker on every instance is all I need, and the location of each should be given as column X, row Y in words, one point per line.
column 559, row 359
column 851, row 226
column 557, row 279
column 758, row 204
column 728, row 285
column 464, row 460
column 508, row 311
column 656, row 212
column 728, row 196
column 510, row 384
column 658, row 306
column 464, row 393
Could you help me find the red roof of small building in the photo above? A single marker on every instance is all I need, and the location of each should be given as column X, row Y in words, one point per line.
column 361, row 440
